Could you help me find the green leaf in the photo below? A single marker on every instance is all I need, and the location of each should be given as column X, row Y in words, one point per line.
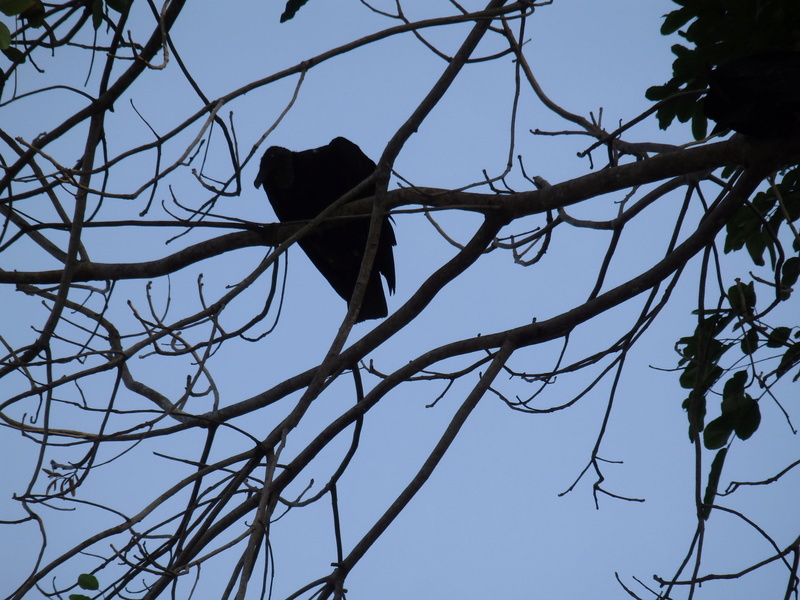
column 680, row 51
column 12, row 8
column 87, row 581
column 713, row 482
column 740, row 414
column 699, row 125
column 742, row 225
column 748, row 418
column 657, row 92
column 665, row 118
column 121, row 6
column 5, row 37
column 699, row 416
column 735, row 385
column 292, row 6
column 675, row 20
column 717, row 432
column 756, row 244
column 733, row 396
column 701, row 353
column 778, row 337
column 750, row 342
column 97, row 13
column 34, row 14
column 790, row 271
column 700, row 379
column 685, row 108
column 742, row 298
column 14, row 54
column 789, row 359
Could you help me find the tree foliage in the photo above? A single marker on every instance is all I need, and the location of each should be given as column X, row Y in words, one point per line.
column 150, row 324
column 718, row 32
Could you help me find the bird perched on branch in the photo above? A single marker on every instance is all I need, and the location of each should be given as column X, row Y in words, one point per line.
column 300, row 185
column 757, row 95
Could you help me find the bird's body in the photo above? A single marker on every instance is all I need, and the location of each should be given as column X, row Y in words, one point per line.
column 756, row 95
column 300, row 185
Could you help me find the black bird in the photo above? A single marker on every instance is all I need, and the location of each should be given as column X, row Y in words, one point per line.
column 757, row 95
column 300, row 185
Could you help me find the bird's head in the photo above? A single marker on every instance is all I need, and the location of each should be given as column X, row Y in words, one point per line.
column 277, row 168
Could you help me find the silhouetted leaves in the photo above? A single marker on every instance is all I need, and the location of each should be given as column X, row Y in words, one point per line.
column 702, row 351
column 34, row 14
column 5, row 37
column 700, row 355
column 740, row 414
column 789, row 274
column 778, row 337
column 713, row 482
column 292, row 6
column 121, row 6
column 98, row 8
column 750, row 342
column 755, row 226
column 742, row 298
column 676, row 19
column 719, row 31
column 30, row 10
column 10, row 52
column 97, row 13
column 790, row 359
column 12, row 8
column 756, row 95
column 716, row 433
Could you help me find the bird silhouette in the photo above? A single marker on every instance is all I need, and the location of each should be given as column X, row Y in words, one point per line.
column 300, row 185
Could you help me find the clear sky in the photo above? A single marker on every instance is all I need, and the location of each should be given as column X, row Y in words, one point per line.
column 489, row 523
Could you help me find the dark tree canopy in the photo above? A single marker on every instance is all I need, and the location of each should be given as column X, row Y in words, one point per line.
column 300, row 185
column 756, row 95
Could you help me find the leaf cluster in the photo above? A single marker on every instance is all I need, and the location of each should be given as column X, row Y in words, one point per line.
column 34, row 14
column 98, row 8
column 718, row 31
column 701, row 356
column 756, row 227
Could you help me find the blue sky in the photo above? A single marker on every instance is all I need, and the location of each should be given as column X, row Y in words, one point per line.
column 489, row 523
